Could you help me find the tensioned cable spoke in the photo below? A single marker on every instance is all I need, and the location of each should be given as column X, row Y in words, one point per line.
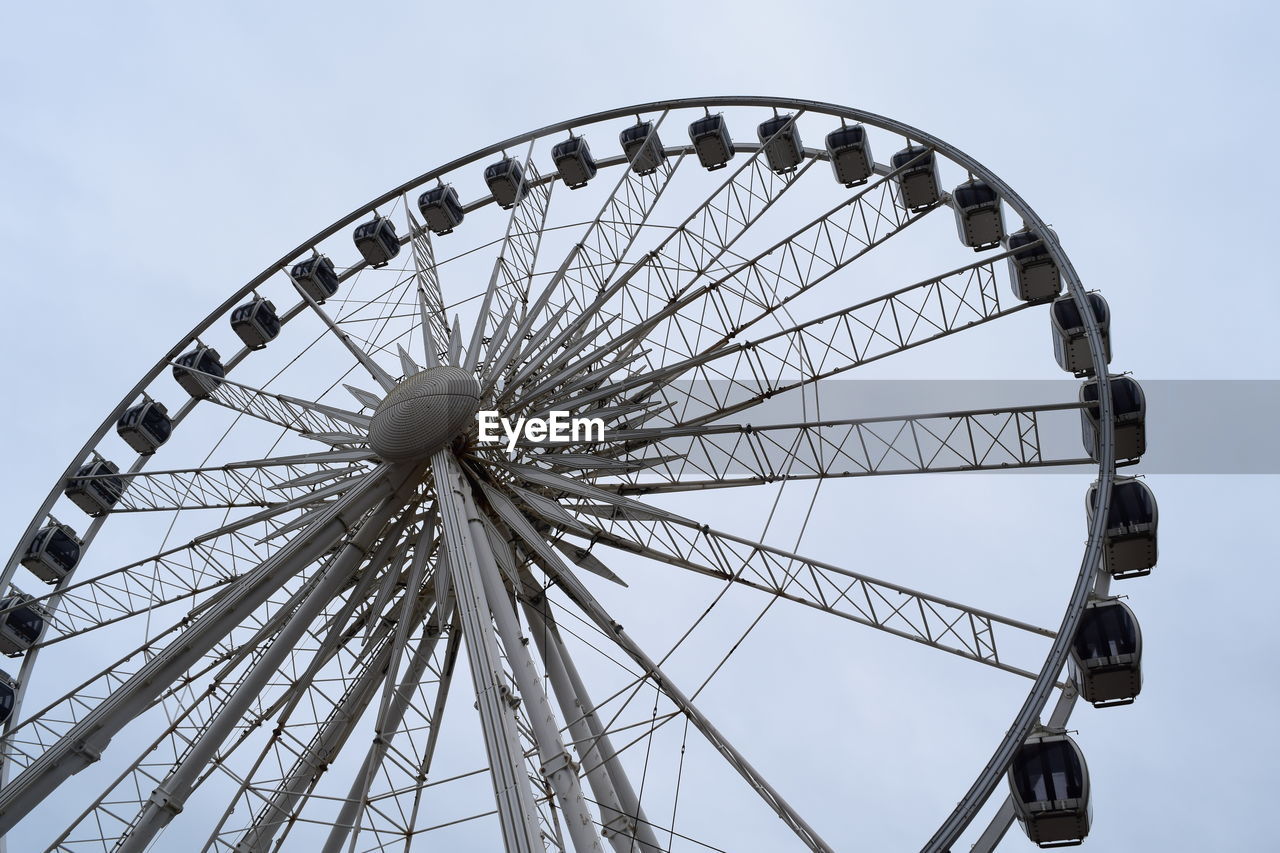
column 547, row 558
column 210, row 560
column 366, row 360
column 670, row 538
column 81, row 743
column 763, row 285
column 738, row 376
column 591, row 262
column 223, row 487
column 431, row 311
column 329, row 424
column 695, row 249
column 517, row 257
column 312, row 746
column 129, row 794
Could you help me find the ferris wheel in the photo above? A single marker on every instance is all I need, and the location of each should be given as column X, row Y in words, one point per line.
column 389, row 487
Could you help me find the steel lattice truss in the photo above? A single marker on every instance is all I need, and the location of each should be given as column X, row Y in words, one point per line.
column 291, row 652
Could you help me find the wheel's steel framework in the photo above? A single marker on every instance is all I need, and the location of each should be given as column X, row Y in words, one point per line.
column 543, row 349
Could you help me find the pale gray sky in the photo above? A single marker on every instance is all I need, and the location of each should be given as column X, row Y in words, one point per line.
column 156, row 156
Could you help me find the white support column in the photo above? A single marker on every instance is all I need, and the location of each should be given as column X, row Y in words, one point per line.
column 557, row 763
column 625, row 826
column 516, row 810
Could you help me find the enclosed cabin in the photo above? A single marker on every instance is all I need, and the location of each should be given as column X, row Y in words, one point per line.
column 377, row 241
column 8, row 696
column 22, row 622
column 1070, row 343
column 1129, row 543
column 979, row 221
column 917, row 177
column 317, row 278
column 642, row 147
column 441, row 209
column 711, row 141
column 781, row 140
column 1129, row 407
column 505, row 180
column 573, row 160
column 1106, row 655
column 256, row 323
column 145, row 426
column 52, row 553
column 1032, row 271
column 1049, row 782
column 96, row 487
column 199, row 371
column 850, row 153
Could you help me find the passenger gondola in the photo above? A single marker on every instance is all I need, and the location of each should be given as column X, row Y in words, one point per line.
column 1106, row 654
column 781, row 140
column 642, row 147
column 1032, row 272
column 256, row 323
column 1049, row 782
column 441, row 209
column 317, row 277
column 573, row 160
column 52, row 553
column 850, row 153
column 22, row 622
column 199, row 371
column 1070, row 343
column 505, row 180
column 145, row 426
column 711, row 141
column 377, row 241
column 1129, row 546
column 917, row 177
column 979, row 221
column 8, row 696
column 96, row 487
column 1129, row 407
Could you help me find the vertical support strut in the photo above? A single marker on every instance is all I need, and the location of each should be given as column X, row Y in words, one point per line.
column 516, row 810
column 556, row 762
column 624, row 822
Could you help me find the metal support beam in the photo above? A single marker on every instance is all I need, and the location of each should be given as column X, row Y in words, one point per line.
column 84, row 742
column 517, row 813
column 563, row 577
column 557, row 764
column 169, row 797
column 625, row 826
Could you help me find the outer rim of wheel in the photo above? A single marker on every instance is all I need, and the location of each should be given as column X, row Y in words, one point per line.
column 1037, row 698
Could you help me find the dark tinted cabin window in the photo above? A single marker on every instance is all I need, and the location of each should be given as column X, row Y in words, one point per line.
column 6, row 701
column 157, row 424
column 846, row 137
column 1105, row 631
column 907, row 155
column 969, row 195
column 63, row 549
column 1047, row 771
column 26, row 624
column 1067, row 314
column 1125, row 395
column 1130, row 504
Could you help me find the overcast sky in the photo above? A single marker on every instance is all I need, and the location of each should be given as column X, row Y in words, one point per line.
column 156, row 156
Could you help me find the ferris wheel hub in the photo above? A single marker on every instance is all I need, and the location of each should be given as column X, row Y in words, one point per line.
column 424, row 413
